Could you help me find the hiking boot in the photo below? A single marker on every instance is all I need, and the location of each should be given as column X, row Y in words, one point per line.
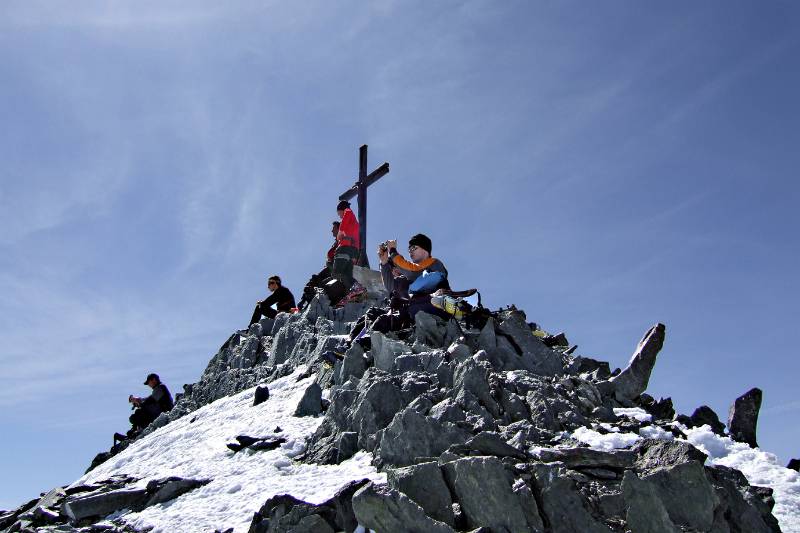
column 119, row 437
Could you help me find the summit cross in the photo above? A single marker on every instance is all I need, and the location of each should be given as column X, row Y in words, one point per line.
column 360, row 189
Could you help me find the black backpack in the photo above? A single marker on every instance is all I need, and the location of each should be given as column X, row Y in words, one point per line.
column 335, row 289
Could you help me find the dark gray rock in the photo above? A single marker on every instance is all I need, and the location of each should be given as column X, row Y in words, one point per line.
column 589, row 458
column 794, row 464
column 381, row 508
column 484, row 490
column 741, row 507
column 743, row 417
column 686, row 494
column 385, row 350
column 645, row 512
column 164, row 490
column 353, row 364
column 261, row 395
column 430, row 330
column 411, row 436
column 632, row 382
column 660, row 410
column 518, row 348
column 491, row 443
column 655, row 454
column 311, row 402
column 565, row 508
column 102, row 504
column 285, row 514
column 424, row 483
column 704, row 415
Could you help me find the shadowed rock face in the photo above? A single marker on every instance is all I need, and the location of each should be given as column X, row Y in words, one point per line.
column 474, row 429
column 743, row 417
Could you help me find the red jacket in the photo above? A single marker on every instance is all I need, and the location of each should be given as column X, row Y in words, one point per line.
column 349, row 230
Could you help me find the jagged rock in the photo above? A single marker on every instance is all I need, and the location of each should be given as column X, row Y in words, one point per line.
column 103, row 503
column 411, row 436
column 559, row 339
column 385, row 350
column 285, row 513
column 484, row 490
column 743, row 417
column 384, row 509
column 741, row 507
column 686, row 494
column 164, row 490
column 654, row 454
column 589, row 458
column 424, row 483
column 563, row 505
column 429, row 330
column 705, row 415
column 516, row 348
column 353, row 364
column 660, row 410
column 794, row 464
column 261, row 395
column 491, row 443
column 644, row 511
column 633, row 381
column 311, row 402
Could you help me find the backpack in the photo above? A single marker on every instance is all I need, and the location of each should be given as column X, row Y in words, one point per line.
column 334, row 289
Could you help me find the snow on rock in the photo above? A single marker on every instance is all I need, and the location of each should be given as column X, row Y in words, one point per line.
column 760, row 468
column 195, row 447
column 605, row 442
column 637, row 413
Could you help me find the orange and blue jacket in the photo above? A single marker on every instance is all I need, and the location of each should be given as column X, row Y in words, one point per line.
column 412, row 271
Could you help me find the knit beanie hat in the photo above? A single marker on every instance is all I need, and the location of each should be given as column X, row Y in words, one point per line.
column 422, row 241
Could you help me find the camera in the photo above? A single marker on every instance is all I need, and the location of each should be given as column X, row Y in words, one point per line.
column 384, row 246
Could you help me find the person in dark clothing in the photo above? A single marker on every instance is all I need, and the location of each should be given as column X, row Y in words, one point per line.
column 318, row 278
column 281, row 297
column 147, row 409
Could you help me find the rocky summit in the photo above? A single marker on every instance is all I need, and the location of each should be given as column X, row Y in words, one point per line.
column 501, row 428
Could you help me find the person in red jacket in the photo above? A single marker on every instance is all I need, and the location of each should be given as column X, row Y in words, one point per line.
column 347, row 244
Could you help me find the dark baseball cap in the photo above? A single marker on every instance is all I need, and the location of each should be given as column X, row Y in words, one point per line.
column 152, row 376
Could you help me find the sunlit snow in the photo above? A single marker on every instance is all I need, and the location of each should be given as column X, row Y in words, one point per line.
column 194, row 447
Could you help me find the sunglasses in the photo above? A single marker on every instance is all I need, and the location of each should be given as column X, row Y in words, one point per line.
column 272, row 283
column 412, row 248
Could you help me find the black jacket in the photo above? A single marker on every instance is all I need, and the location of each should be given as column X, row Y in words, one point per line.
column 159, row 401
column 283, row 297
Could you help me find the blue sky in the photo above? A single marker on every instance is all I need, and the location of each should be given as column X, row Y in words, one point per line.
column 603, row 166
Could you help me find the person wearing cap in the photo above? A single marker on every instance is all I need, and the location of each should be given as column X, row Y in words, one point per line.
column 148, row 409
column 402, row 276
column 281, row 297
column 348, row 243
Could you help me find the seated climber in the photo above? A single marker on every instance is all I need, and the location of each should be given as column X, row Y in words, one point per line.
column 418, row 278
column 410, row 285
column 147, row 409
column 317, row 279
column 281, row 297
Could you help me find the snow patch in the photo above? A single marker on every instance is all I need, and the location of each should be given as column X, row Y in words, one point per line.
column 759, row 467
column 637, row 413
column 241, row 482
column 605, row 442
